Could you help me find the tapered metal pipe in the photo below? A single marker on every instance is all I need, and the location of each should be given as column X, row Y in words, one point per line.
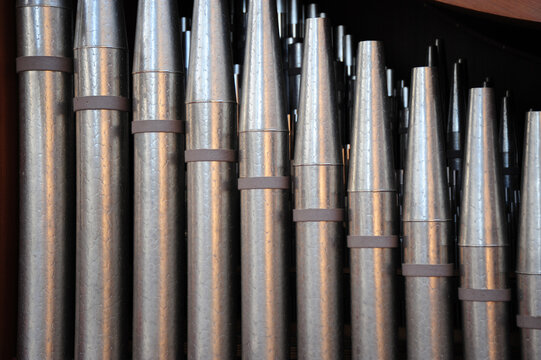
column 427, row 226
column 185, row 41
column 264, row 183
column 318, row 201
column 101, row 105
column 529, row 245
column 211, row 111
column 456, row 119
column 281, row 8
column 404, row 114
column 46, row 266
column 373, row 217
column 294, row 71
column 349, row 55
column 158, row 92
column 482, row 241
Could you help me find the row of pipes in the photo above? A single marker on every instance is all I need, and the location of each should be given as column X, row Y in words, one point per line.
column 309, row 133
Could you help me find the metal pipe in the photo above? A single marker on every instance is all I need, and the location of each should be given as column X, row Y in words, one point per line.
column 281, row 9
column 101, row 105
column 482, row 241
column 185, row 26
column 47, row 174
column 373, row 220
column 264, row 187
column 295, row 27
column 158, row 118
column 529, row 243
column 211, row 183
column 427, row 226
column 318, row 206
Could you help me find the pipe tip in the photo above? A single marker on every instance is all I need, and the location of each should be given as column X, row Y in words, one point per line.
column 425, row 189
column 371, row 159
column 317, row 140
column 157, row 40
column 210, row 75
column 263, row 104
column 482, row 222
column 100, row 23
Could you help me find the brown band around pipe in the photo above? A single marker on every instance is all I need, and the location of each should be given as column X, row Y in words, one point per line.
column 267, row 182
column 223, row 155
column 388, row 241
column 44, row 63
column 484, row 295
column 309, row 215
column 153, row 126
column 529, row 322
column 119, row 103
column 428, row 270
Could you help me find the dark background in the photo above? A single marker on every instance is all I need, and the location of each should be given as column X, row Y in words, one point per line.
column 507, row 51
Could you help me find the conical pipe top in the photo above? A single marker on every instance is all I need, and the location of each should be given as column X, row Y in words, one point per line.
column 457, row 107
column 317, row 140
column 371, row 158
column 263, row 105
column 157, row 43
column 210, row 76
column 483, row 221
column 507, row 139
column 100, row 23
column 425, row 189
column 529, row 240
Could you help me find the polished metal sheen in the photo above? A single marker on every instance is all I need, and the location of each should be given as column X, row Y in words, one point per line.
column 427, row 223
column 211, row 111
column 372, row 201
column 101, row 64
column 47, row 191
column 529, row 240
column 265, row 213
column 159, row 242
column 318, row 184
column 482, row 240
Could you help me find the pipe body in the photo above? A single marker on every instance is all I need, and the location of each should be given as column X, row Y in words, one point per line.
column 529, row 240
column 427, row 225
column 318, row 186
column 211, row 112
column 159, row 247
column 372, row 212
column 263, row 155
column 101, row 63
column 482, row 240
column 47, row 192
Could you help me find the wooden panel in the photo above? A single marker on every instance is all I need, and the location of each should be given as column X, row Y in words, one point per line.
column 9, row 192
column 529, row 10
